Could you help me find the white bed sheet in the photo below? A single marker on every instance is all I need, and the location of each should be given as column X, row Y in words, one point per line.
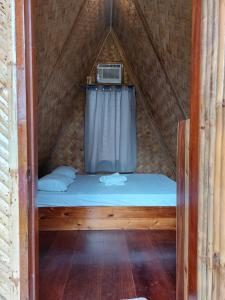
column 139, row 190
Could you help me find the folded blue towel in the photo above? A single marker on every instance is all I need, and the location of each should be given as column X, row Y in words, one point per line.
column 114, row 179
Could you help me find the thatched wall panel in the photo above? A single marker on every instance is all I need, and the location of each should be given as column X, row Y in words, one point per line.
column 157, row 89
column 109, row 54
column 169, row 24
column 65, row 66
column 150, row 156
column 54, row 21
column 69, row 149
column 70, row 70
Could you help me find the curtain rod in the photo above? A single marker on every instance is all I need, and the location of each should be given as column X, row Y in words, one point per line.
column 85, row 86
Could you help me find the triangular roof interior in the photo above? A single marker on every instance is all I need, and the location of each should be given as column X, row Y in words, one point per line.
column 147, row 36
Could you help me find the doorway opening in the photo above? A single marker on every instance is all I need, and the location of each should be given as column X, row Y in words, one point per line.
column 110, row 242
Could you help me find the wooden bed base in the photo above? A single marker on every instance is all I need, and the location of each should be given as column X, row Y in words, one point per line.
column 107, row 218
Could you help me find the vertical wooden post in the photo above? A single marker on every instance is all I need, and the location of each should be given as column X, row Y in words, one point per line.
column 27, row 149
column 194, row 148
column 182, row 209
column 22, row 147
column 32, row 163
column 211, row 197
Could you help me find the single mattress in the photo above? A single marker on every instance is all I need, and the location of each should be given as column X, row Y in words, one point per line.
column 139, row 190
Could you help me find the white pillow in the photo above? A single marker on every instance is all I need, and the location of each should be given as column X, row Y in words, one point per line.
column 54, row 183
column 66, row 171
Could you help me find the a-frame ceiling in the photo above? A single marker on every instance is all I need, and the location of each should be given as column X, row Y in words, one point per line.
column 154, row 38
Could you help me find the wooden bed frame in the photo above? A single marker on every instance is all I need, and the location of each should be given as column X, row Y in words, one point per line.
column 107, row 218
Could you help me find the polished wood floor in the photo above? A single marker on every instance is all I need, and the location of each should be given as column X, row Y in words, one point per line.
column 107, row 265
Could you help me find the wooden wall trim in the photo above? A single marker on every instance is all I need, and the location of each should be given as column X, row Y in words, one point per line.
column 182, row 209
column 194, row 149
column 107, row 218
column 26, row 100
column 22, row 140
column 218, row 279
column 32, row 157
column 151, row 41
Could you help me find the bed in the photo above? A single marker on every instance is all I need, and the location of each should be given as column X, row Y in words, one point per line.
column 146, row 201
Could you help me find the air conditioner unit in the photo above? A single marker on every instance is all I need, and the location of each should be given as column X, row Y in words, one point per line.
column 109, row 73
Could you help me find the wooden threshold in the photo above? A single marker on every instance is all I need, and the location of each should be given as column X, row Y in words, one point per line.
column 107, row 218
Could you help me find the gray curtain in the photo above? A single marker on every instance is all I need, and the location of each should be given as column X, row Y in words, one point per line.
column 110, row 129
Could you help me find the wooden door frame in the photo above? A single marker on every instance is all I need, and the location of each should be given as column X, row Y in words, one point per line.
column 27, row 144
column 194, row 143
column 27, row 127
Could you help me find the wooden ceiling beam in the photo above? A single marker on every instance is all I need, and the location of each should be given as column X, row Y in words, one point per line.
column 151, row 41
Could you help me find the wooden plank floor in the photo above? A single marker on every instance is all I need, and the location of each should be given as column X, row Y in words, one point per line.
column 107, row 265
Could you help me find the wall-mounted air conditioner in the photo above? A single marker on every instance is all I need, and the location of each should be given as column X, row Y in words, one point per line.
column 109, row 73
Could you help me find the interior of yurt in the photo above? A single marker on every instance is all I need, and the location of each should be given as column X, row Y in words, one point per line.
column 113, row 82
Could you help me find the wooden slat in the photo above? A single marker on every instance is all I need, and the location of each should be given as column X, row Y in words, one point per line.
column 211, row 197
column 32, row 157
column 182, row 209
column 10, row 282
column 102, row 218
column 194, row 146
column 186, row 208
column 107, row 212
column 108, row 224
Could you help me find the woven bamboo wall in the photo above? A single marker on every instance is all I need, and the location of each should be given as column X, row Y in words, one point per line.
column 9, row 202
column 62, row 75
column 69, row 149
column 150, row 155
column 54, row 19
column 169, row 26
column 149, row 60
column 160, row 61
column 109, row 53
